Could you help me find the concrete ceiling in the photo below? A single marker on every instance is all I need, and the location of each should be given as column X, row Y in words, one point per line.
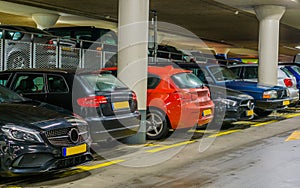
column 230, row 23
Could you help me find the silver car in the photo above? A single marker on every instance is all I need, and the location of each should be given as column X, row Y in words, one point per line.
column 249, row 72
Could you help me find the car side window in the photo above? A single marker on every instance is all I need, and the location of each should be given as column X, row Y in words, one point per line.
column 251, row 73
column 152, row 81
column 4, row 78
column 29, row 83
column 57, row 84
column 236, row 70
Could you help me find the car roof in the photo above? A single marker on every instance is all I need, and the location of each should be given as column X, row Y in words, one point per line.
column 244, row 65
column 75, row 28
column 165, row 70
column 42, row 70
column 25, row 29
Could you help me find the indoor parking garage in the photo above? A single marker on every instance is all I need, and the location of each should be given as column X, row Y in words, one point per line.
column 149, row 93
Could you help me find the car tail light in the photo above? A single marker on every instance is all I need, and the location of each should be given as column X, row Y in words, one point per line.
column 186, row 96
column 288, row 82
column 51, row 46
column 134, row 102
column 92, row 101
column 134, row 96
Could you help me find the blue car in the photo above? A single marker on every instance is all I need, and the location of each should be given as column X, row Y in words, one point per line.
column 266, row 98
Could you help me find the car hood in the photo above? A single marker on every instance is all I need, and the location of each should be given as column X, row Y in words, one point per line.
column 34, row 115
column 223, row 92
column 246, row 86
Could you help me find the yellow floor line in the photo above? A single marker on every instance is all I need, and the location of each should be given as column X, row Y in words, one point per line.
column 292, row 115
column 170, row 146
column 202, row 131
column 152, row 145
column 264, row 123
column 294, row 136
column 87, row 168
column 223, row 133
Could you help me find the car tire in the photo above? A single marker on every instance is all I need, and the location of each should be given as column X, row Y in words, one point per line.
column 262, row 113
column 17, row 61
column 156, row 124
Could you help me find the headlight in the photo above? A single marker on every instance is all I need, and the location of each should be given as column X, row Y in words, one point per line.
column 18, row 133
column 227, row 102
column 272, row 94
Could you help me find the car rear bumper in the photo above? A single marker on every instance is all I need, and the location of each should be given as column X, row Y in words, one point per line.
column 113, row 127
column 192, row 115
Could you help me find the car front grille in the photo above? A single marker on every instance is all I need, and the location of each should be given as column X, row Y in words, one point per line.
column 61, row 136
column 248, row 103
column 282, row 94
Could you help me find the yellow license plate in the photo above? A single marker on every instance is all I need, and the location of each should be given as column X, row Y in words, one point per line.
column 66, row 48
column 206, row 112
column 285, row 103
column 249, row 112
column 120, row 105
column 74, row 150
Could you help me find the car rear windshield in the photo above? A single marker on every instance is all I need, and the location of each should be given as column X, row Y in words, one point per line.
column 103, row 82
column 187, row 80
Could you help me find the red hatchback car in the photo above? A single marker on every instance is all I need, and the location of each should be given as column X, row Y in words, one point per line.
column 176, row 99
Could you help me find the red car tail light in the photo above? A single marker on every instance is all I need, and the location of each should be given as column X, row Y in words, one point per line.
column 51, row 45
column 288, row 82
column 186, row 96
column 92, row 101
column 134, row 96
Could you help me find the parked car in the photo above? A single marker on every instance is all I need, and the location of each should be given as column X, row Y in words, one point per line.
column 18, row 43
column 249, row 72
column 108, row 105
column 266, row 98
column 86, row 36
column 295, row 70
column 176, row 99
column 230, row 105
column 98, row 44
column 171, row 53
column 36, row 137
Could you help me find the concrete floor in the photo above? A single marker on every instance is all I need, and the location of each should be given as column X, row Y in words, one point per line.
column 257, row 154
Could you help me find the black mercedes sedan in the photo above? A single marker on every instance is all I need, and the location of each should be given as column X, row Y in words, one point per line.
column 36, row 137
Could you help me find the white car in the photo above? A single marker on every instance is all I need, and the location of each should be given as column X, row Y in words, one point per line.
column 249, row 72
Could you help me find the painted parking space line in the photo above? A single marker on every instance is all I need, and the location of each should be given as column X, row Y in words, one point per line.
column 171, row 146
column 224, row 133
column 202, row 131
column 292, row 115
column 294, row 136
column 88, row 168
column 152, row 145
column 80, row 169
column 264, row 123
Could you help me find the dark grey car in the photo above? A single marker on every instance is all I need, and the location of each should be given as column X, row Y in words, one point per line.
column 31, row 47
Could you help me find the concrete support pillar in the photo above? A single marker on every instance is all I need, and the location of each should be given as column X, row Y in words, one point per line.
column 269, row 17
column 45, row 20
column 133, row 54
